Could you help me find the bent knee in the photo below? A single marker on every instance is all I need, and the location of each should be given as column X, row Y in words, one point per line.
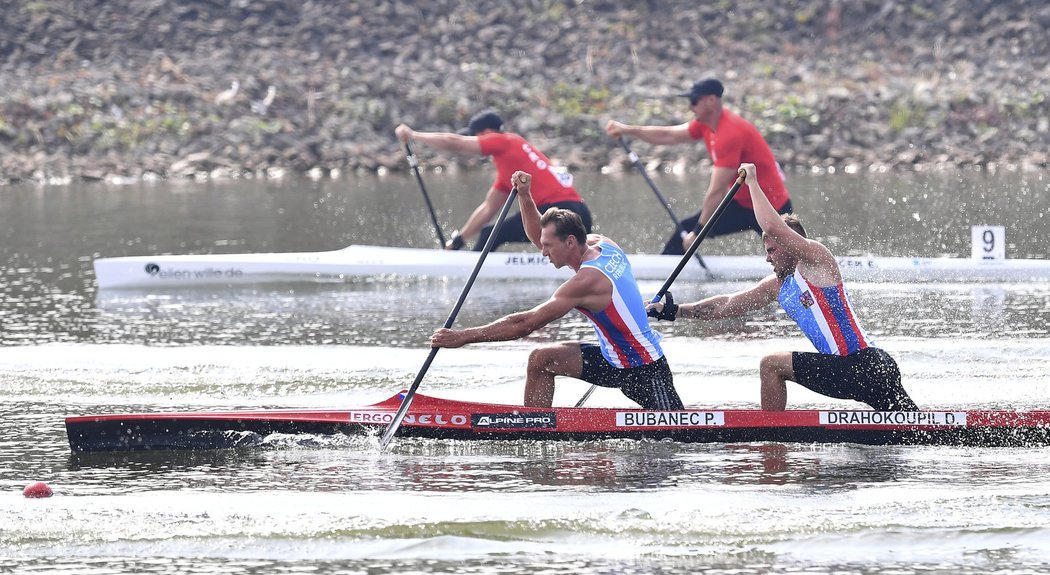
column 543, row 355
column 777, row 363
column 559, row 358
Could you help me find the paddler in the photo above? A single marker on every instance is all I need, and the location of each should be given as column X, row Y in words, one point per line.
column 510, row 152
column 807, row 282
column 730, row 140
column 628, row 355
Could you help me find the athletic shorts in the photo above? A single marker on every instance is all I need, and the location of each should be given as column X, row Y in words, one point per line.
column 736, row 218
column 650, row 386
column 870, row 376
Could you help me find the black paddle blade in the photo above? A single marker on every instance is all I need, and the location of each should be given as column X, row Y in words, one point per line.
column 391, row 429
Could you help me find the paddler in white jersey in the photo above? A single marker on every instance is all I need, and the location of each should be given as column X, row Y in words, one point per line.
column 807, row 282
column 603, row 289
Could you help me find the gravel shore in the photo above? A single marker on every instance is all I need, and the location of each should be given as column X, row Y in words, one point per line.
column 119, row 89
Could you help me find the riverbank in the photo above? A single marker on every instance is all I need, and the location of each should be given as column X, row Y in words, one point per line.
column 97, row 89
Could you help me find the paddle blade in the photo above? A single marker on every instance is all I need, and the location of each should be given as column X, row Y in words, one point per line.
column 391, row 429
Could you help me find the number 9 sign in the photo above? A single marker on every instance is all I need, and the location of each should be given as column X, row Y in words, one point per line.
column 988, row 243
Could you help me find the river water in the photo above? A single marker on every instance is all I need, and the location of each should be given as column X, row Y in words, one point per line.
column 339, row 505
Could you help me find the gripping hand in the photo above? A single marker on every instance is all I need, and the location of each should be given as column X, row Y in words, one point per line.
column 668, row 312
column 456, row 242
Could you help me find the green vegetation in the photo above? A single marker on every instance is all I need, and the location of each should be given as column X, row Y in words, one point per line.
column 572, row 100
column 789, row 110
column 792, row 109
column 906, row 114
column 1032, row 106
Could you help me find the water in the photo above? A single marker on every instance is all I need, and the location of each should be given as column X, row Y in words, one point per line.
column 339, row 505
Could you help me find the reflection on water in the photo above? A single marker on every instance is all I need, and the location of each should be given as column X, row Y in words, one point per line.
column 337, row 464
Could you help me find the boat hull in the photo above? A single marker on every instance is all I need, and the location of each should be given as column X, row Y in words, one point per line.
column 447, row 419
column 175, row 271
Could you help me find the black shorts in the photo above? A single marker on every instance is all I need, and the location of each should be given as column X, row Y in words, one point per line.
column 870, row 376
column 650, row 386
column 513, row 229
column 736, row 218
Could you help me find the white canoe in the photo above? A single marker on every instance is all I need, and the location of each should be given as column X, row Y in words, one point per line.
column 173, row 271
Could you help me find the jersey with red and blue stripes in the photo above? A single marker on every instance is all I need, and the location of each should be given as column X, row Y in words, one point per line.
column 624, row 334
column 824, row 314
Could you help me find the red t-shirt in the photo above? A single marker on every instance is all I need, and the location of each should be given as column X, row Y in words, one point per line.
column 737, row 141
column 510, row 153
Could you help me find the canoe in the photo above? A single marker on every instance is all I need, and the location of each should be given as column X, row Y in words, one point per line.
column 175, row 271
column 432, row 417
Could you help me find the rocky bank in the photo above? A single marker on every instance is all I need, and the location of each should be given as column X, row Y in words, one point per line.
column 105, row 89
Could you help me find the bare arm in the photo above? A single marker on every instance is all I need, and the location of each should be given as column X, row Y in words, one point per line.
column 530, row 214
column 578, row 291
column 815, row 260
column 440, row 140
column 716, row 192
column 483, row 214
column 734, row 304
column 661, row 135
column 772, row 224
column 509, row 327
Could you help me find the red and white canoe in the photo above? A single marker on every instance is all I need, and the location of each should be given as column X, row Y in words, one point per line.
column 433, row 417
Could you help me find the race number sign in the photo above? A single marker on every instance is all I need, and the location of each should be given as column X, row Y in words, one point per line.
column 989, row 243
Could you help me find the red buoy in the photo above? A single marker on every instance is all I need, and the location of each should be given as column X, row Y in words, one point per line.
column 37, row 490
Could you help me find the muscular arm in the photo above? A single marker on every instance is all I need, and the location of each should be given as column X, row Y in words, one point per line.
column 716, row 192
column 519, row 324
column 730, row 305
column 530, row 214
column 579, row 291
column 661, row 135
column 815, row 260
column 440, row 140
column 772, row 224
column 483, row 214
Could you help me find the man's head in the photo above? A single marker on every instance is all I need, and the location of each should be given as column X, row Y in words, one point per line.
column 481, row 122
column 705, row 100
column 705, row 87
column 783, row 262
column 563, row 237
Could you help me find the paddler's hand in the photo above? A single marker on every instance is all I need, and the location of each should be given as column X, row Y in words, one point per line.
column 455, row 242
column 687, row 240
column 522, row 181
column 750, row 173
column 614, row 129
column 665, row 310
column 445, row 337
column 403, row 132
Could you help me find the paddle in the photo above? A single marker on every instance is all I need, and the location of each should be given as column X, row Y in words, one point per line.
column 688, row 254
column 419, row 178
column 663, row 201
column 391, row 429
